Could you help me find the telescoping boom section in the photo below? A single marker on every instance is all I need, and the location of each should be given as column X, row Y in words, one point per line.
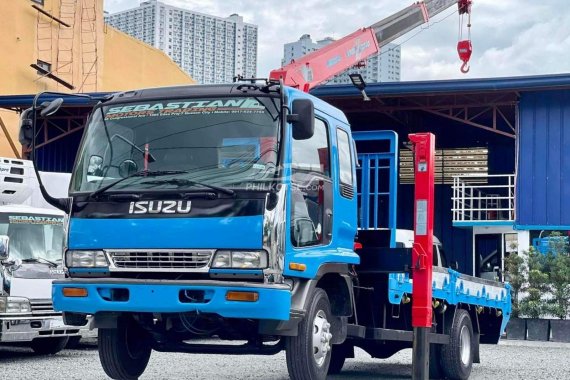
column 321, row 65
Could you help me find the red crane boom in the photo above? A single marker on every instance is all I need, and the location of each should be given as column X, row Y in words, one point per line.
column 321, row 65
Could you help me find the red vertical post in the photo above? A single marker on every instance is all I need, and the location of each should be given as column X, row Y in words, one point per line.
column 422, row 251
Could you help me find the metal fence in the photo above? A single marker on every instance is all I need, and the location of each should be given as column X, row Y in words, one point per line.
column 492, row 201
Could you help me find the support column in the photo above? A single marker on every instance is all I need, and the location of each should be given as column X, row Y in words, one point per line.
column 422, row 252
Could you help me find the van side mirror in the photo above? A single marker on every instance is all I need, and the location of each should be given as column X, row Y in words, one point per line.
column 303, row 119
column 4, row 246
column 26, row 133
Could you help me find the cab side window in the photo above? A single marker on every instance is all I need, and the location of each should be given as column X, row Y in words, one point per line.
column 345, row 164
column 311, row 193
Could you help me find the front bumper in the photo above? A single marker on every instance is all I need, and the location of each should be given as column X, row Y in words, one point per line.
column 20, row 329
column 163, row 296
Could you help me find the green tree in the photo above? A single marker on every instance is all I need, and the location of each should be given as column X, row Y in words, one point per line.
column 534, row 304
column 516, row 276
column 557, row 266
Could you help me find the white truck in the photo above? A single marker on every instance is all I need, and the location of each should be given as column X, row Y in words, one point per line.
column 31, row 252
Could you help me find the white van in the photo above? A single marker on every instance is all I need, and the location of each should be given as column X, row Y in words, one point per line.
column 405, row 239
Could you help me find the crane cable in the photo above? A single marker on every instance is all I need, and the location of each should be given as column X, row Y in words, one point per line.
column 464, row 46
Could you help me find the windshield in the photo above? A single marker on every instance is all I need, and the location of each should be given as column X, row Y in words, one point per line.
column 225, row 142
column 33, row 236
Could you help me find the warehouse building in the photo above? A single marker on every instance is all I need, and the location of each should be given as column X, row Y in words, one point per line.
column 500, row 161
column 500, row 166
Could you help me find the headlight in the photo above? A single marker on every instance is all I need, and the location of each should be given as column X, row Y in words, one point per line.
column 85, row 259
column 15, row 305
column 240, row 259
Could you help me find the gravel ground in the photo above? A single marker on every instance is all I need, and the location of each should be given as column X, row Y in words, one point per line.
column 509, row 360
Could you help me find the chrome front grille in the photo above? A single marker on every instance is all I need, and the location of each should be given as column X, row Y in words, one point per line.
column 160, row 260
column 42, row 307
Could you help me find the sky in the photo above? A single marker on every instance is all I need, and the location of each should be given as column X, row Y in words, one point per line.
column 510, row 37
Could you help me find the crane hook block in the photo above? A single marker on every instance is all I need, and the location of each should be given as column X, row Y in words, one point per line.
column 465, row 49
column 464, row 6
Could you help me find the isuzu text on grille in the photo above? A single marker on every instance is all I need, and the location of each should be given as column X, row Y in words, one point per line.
column 160, row 207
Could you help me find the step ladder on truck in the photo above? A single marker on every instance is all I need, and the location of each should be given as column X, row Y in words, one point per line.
column 251, row 212
column 31, row 257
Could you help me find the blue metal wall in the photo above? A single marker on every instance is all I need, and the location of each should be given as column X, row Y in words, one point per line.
column 59, row 155
column 543, row 192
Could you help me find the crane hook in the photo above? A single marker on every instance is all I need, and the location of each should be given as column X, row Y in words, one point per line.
column 465, row 49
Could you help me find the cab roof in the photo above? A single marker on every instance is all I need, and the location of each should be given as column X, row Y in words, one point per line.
column 25, row 209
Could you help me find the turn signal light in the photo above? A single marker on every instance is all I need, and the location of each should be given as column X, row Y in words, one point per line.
column 75, row 292
column 297, row 266
column 242, row 296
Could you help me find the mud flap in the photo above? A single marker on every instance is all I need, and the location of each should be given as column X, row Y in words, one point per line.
column 476, row 356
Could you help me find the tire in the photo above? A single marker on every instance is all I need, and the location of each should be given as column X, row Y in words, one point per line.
column 124, row 352
column 457, row 356
column 73, row 342
column 48, row 346
column 338, row 357
column 308, row 357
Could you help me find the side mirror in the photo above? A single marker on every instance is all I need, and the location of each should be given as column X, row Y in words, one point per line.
column 127, row 168
column 454, row 265
column 4, row 246
column 26, row 133
column 303, row 119
column 49, row 108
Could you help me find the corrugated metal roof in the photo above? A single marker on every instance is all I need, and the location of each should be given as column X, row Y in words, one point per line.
column 25, row 101
column 522, row 83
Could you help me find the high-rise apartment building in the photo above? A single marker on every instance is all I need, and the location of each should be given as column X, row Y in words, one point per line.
column 211, row 49
column 382, row 67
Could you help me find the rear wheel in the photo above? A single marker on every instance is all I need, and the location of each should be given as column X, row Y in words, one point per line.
column 457, row 356
column 48, row 346
column 309, row 353
column 124, row 351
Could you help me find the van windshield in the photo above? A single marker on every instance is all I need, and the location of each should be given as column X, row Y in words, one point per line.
column 33, row 236
column 226, row 142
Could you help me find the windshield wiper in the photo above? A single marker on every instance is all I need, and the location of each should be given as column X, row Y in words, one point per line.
column 142, row 173
column 40, row 260
column 187, row 182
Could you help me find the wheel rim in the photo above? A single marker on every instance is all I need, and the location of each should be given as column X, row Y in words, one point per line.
column 321, row 337
column 465, row 345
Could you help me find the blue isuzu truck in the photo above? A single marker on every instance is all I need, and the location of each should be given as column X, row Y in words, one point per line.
column 249, row 212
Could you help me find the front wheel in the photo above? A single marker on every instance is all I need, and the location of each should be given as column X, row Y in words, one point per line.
column 124, row 351
column 457, row 356
column 309, row 353
column 48, row 346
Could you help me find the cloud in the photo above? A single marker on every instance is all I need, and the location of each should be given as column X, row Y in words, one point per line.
column 510, row 37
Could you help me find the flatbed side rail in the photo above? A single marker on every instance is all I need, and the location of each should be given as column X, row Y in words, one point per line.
column 456, row 288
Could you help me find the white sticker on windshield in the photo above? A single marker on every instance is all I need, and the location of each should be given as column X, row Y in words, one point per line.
column 186, row 107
